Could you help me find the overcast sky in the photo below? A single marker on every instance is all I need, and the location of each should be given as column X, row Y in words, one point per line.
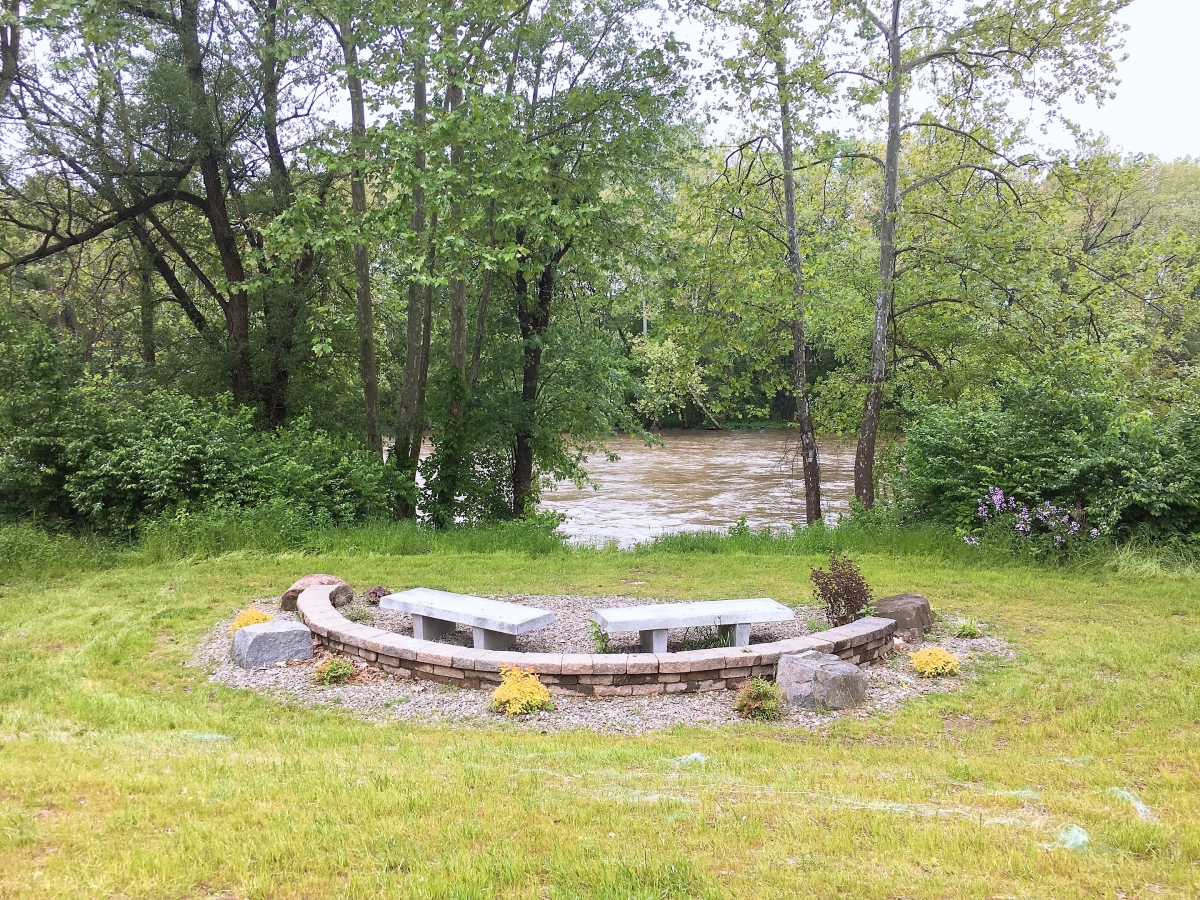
column 1157, row 108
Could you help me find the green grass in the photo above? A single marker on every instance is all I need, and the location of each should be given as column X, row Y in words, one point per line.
column 125, row 774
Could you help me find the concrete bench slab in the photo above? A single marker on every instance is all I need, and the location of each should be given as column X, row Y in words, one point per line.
column 493, row 623
column 732, row 617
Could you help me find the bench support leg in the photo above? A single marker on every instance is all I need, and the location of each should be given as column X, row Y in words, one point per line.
column 736, row 635
column 654, row 641
column 426, row 628
column 486, row 639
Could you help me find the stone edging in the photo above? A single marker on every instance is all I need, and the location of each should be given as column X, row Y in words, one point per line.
column 598, row 674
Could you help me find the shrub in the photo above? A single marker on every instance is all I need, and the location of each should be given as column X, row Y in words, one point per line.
column 520, row 692
column 1063, row 439
column 842, row 590
column 967, row 628
column 932, row 662
column 249, row 617
column 333, row 672
column 599, row 637
column 759, row 699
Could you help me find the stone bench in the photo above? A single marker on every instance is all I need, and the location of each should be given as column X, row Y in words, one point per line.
column 732, row 617
column 493, row 623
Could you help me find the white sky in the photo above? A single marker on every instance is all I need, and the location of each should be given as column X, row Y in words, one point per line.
column 1157, row 107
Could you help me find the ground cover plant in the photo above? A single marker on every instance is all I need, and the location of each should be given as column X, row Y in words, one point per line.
column 125, row 773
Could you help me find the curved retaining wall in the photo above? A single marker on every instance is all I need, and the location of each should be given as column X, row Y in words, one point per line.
column 598, row 674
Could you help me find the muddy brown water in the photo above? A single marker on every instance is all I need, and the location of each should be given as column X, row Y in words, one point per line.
column 700, row 480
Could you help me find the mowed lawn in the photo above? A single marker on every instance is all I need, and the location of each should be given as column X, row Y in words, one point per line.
column 123, row 773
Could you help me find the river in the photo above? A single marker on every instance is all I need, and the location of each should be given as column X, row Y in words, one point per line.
column 700, row 480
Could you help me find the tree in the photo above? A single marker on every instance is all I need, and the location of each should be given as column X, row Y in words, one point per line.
column 970, row 62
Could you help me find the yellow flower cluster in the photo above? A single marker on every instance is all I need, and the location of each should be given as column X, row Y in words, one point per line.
column 249, row 617
column 520, row 692
column 934, row 661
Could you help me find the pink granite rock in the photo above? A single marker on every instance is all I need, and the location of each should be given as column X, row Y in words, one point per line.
column 340, row 596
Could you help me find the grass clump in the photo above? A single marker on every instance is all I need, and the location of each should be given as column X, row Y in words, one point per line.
column 333, row 672
column 760, row 700
column 249, row 617
column 933, row 662
column 520, row 692
column 968, row 629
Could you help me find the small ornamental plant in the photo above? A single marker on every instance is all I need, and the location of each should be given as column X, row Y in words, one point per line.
column 969, row 629
column 760, row 700
column 843, row 591
column 520, row 692
column 933, row 662
column 249, row 617
column 333, row 672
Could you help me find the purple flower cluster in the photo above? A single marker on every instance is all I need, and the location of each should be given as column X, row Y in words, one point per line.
column 1046, row 519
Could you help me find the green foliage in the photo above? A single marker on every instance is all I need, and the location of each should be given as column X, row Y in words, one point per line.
column 761, row 700
column 1067, row 440
column 599, row 637
column 967, row 628
column 842, row 590
column 102, row 455
column 333, row 672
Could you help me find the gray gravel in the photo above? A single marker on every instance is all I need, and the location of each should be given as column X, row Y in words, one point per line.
column 377, row 696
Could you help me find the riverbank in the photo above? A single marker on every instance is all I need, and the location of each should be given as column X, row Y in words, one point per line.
column 126, row 772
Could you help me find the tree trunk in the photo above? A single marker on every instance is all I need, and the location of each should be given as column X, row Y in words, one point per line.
column 804, row 422
column 864, row 458
column 368, row 368
column 408, row 431
column 533, row 325
column 237, row 309
column 146, row 302
column 10, row 47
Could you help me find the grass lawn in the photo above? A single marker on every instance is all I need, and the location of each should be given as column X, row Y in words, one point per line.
column 123, row 773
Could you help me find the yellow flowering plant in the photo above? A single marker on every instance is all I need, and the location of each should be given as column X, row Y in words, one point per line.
column 934, row 661
column 249, row 617
column 520, row 692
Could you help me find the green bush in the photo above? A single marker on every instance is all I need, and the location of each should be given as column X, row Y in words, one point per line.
column 98, row 455
column 759, row 699
column 1065, row 440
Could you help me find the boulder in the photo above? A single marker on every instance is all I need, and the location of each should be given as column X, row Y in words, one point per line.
column 911, row 614
column 272, row 642
column 340, row 596
column 812, row 678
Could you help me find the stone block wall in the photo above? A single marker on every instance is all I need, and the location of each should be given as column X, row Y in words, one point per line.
column 595, row 674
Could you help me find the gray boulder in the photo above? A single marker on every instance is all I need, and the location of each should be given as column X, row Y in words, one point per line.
column 340, row 596
column 273, row 642
column 911, row 613
column 812, row 678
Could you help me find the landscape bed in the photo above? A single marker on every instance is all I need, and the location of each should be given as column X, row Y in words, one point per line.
column 125, row 772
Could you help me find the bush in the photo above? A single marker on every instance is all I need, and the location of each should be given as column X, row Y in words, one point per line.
column 96, row 455
column 842, row 590
column 520, row 692
column 932, row 662
column 1066, row 440
column 333, row 672
column 759, row 699
column 249, row 617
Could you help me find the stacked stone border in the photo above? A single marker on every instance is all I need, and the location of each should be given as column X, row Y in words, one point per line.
column 597, row 674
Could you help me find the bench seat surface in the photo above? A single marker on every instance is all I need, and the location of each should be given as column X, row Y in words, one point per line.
column 691, row 615
column 477, row 612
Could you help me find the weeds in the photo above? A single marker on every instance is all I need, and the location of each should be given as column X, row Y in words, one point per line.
column 760, row 699
column 333, row 672
column 599, row 636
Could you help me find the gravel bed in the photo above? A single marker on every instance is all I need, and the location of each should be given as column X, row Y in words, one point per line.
column 374, row 695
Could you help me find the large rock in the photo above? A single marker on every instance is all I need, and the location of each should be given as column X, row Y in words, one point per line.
column 812, row 678
column 268, row 643
column 338, row 597
column 911, row 613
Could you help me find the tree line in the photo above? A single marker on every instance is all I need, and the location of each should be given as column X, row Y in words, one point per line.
column 445, row 221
